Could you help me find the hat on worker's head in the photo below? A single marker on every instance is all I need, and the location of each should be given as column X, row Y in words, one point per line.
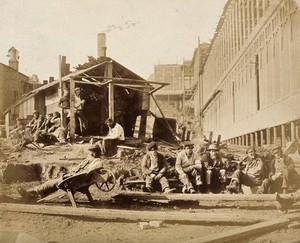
column 36, row 112
column 187, row 144
column 152, row 146
column 277, row 149
column 76, row 89
column 94, row 148
column 213, row 146
column 250, row 149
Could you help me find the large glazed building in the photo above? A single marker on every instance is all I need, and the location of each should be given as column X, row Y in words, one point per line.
column 251, row 80
column 180, row 78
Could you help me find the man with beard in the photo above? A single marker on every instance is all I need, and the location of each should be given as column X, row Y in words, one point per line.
column 250, row 172
column 282, row 175
column 213, row 168
column 188, row 166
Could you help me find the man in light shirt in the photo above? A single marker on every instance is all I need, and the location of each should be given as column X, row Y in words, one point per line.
column 114, row 137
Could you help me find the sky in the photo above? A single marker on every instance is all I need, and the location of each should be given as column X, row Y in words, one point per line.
column 139, row 33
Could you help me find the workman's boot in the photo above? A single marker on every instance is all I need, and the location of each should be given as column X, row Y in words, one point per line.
column 283, row 204
column 184, row 189
column 192, row 191
column 198, row 180
column 146, row 189
column 233, row 187
column 169, row 190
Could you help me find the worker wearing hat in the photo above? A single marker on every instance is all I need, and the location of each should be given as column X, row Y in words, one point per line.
column 154, row 168
column 188, row 166
column 92, row 162
column 251, row 172
column 214, row 169
column 79, row 111
column 282, row 175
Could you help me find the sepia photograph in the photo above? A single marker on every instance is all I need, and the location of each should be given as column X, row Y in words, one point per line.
column 149, row 121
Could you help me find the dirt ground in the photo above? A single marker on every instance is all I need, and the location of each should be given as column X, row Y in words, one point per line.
column 52, row 228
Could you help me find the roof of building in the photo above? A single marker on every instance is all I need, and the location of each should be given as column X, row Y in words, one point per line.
column 93, row 72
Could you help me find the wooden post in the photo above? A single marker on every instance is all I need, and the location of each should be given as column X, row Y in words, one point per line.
column 63, row 120
column 247, row 140
column 262, row 140
column 283, row 140
column 72, row 109
column 144, row 114
column 108, row 74
column 268, row 136
column 275, row 134
column 297, row 132
column 210, row 137
column 256, row 138
column 243, row 140
column 251, row 139
column 293, row 132
column 218, row 140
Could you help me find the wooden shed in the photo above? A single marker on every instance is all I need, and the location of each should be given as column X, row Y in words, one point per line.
column 109, row 89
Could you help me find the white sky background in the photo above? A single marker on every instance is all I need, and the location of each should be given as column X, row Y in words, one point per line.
column 151, row 31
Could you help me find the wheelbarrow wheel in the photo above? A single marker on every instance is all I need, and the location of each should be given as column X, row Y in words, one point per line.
column 109, row 183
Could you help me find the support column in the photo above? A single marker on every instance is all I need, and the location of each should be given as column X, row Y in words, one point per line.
column 283, row 140
column 240, row 140
column 297, row 132
column 268, row 136
column 247, row 139
column 243, row 140
column 275, row 135
column 251, row 139
column 72, row 110
column 293, row 131
column 261, row 137
column 248, row 17
column 111, row 104
column 256, row 138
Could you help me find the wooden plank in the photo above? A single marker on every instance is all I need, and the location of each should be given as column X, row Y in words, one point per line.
column 58, row 194
column 237, row 235
column 72, row 110
column 196, row 197
column 135, row 216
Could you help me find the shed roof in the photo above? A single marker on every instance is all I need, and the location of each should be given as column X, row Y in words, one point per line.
column 93, row 72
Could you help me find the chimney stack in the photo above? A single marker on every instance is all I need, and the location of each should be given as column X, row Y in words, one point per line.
column 102, row 45
column 13, row 55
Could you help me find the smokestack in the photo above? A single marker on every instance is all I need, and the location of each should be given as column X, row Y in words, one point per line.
column 101, row 45
column 13, row 55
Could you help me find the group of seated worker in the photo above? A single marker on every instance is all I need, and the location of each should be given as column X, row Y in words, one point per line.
column 279, row 177
column 193, row 169
column 91, row 163
column 49, row 130
column 207, row 171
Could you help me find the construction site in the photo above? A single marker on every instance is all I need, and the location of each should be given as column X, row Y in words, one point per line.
column 203, row 151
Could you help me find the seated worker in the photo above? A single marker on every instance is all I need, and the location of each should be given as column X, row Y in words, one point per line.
column 114, row 137
column 36, row 122
column 250, row 172
column 89, row 164
column 154, row 168
column 49, row 131
column 213, row 168
column 286, row 201
column 188, row 166
column 282, row 174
